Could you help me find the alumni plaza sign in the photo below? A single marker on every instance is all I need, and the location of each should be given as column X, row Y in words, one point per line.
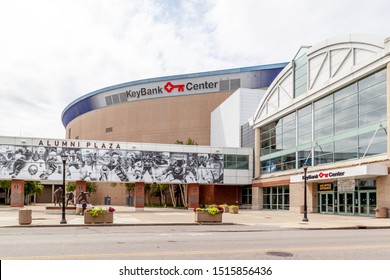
column 40, row 159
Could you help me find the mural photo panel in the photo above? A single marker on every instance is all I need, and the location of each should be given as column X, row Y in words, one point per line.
column 108, row 165
column 175, row 171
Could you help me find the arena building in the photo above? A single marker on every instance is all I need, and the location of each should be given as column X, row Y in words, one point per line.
column 134, row 127
column 327, row 109
column 161, row 110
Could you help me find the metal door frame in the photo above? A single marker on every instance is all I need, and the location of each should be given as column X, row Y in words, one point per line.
column 367, row 192
column 346, row 212
column 327, row 194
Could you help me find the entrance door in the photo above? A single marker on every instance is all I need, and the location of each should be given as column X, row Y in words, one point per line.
column 326, row 202
column 367, row 202
column 346, row 200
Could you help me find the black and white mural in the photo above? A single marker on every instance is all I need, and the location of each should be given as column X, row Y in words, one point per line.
column 110, row 165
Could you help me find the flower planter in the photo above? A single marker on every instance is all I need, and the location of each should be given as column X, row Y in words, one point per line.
column 204, row 217
column 381, row 212
column 108, row 217
column 233, row 210
column 225, row 209
column 99, row 219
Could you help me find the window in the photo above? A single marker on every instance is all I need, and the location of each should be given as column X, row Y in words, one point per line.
column 300, row 75
column 246, row 195
column 236, row 162
column 276, row 198
column 348, row 124
column 304, row 125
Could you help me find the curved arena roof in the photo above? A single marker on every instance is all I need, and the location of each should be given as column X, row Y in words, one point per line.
column 120, row 93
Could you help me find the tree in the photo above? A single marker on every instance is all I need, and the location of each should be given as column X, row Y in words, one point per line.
column 70, row 186
column 91, row 187
column 188, row 142
column 161, row 191
column 6, row 185
column 31, row 188
column 129, row 187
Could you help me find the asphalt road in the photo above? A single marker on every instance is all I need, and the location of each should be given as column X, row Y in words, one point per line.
column 192, row 242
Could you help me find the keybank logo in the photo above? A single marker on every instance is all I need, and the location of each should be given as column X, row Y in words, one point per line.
column 169, row 87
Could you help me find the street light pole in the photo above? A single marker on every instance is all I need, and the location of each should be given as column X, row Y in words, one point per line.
column 305, row 219
column 64, row 157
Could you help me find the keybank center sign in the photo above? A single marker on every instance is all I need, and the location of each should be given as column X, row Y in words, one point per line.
column 172, row 88
column 167, row 88
column 335, row 174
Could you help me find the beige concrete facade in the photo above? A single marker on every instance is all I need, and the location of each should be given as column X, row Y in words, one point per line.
column 158, row 120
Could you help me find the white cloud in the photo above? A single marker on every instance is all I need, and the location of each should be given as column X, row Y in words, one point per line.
column 53, row 52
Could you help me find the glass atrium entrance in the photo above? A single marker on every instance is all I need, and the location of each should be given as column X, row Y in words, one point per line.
column 347, row 197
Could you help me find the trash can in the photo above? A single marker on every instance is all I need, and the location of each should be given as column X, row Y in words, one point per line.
column 107, row 200
column 25, row 216
column 130, row 201
column 381, row 212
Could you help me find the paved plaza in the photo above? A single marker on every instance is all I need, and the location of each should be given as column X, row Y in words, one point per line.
column 128, row 216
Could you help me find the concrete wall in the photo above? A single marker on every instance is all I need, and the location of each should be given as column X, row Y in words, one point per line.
column 159, row 120
column 227, row 119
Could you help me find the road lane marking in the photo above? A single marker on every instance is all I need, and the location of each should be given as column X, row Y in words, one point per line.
column 199, row 252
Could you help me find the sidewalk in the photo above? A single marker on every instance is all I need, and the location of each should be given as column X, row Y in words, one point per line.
column 127, row 216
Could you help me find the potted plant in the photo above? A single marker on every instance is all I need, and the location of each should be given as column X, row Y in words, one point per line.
column 99, row 215
column 225, row 207
column 211, row 214
column 233, row 209
column 108, row 216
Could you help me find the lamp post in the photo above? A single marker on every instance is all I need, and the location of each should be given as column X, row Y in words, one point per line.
column 64, row 157
column 305, row 219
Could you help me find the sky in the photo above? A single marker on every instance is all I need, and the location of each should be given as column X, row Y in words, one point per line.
column 55, row 51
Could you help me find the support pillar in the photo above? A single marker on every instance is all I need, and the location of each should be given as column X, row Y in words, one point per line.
column 257, row 153
column 388, row 104
column 139, row 196
column 81, row 186
column 17, row 193
column 193, row 195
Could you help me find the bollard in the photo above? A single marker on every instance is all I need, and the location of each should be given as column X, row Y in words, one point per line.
column 25, row 216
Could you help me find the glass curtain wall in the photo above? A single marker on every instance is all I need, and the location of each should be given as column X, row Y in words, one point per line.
column 276, row 198
column 347, row 124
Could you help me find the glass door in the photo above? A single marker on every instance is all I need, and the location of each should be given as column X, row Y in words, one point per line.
column 326, row 202
column 349, row 197
column 346, row 203
column 371, row 203
column 367, row 202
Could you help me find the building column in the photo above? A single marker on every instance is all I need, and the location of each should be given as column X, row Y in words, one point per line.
column 257, row 198
column 388, row 106
column 139, row 196
column 193, row 195
column 81, row 186
column 257, row 152
column 17, row 193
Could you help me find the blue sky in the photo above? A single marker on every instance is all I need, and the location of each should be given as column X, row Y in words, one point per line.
column 54, row 51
